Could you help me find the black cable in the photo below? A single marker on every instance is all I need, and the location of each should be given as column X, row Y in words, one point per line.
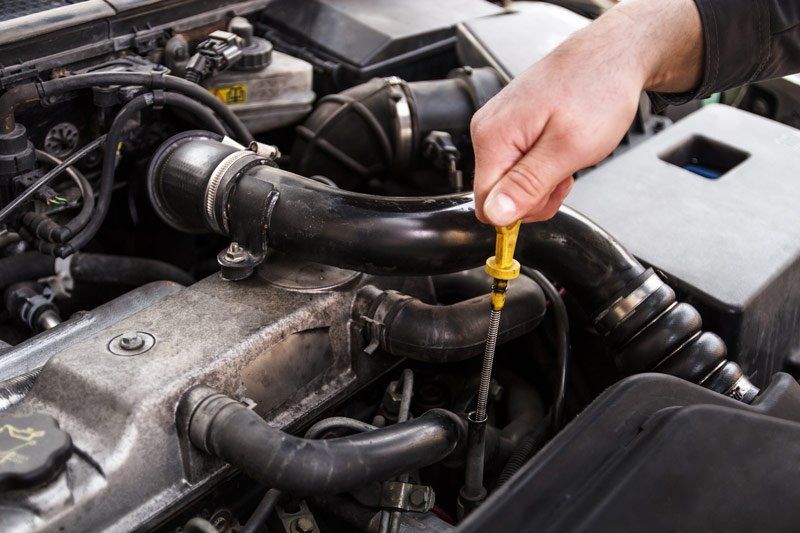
column 261, row 514
column 561, row 321
column 150, row 81
column 200, row 112
column 43, row 226
column 114, row 137
column 28, row 193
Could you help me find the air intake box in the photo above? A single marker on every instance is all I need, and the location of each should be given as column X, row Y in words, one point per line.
column 351, row 41
column 712, row 202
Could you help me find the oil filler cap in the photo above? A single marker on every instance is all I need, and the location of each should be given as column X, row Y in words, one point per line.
column 33, row 449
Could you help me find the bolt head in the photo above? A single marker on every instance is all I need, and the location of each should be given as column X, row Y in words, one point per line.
column 304, row 525
column 417, row 497
column 131, row 340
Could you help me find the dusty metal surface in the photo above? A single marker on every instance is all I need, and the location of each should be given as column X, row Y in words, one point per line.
column 240, row 338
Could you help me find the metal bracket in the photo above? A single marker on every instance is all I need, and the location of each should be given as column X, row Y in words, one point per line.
column 402, row 496
column 61, row 282
column 249, row 246
column 374, row 332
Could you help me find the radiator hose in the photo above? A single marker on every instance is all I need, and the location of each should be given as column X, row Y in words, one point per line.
column 207, row 185
column 229, row 430
column 407, row 327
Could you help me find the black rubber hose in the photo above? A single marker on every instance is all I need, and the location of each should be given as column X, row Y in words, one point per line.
column 561, row 322
column 446, row 333
column 437, row 235
column 24, row 267
column 60, row 86
column 525, row 449
column 260, row 515
column 229, row 430
column 122, row 270
column 93, row 268
column 434, row 235
column 114, row 137
column 110, row 162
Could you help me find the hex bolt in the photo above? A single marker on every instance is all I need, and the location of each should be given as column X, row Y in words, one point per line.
column 131, row 341
column 304, row 525
column 417, row 497
column 235, row 253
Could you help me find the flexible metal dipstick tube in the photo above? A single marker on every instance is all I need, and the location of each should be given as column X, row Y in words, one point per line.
column 502, row 267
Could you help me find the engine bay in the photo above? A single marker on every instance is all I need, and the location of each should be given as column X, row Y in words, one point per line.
column 244, row 285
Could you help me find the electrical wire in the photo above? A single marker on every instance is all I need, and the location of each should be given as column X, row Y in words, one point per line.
column 28, row 193
column 561, row 321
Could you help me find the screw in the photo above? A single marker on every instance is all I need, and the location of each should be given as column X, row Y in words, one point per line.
column 130, row 341
column 304, row 525
column 235, row 253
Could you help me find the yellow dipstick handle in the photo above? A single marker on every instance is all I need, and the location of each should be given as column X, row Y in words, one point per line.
column 502, row 266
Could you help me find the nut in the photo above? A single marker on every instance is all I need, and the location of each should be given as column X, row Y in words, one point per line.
column 235, row 253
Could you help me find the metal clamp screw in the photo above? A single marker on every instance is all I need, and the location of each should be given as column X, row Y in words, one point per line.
column 235, row 253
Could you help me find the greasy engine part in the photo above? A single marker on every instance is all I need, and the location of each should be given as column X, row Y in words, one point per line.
column 377, row 129
column 227, row 429
column 236, row 193
column 245, row 339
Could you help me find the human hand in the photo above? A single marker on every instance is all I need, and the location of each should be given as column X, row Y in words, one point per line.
column 571, row 109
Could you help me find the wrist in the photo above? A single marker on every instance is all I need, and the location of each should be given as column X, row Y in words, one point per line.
column 667, row 38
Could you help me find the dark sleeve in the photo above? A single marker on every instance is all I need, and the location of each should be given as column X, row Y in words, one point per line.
column 744, row 41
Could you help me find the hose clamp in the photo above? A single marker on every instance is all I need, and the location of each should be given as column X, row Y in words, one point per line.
column 622, row 307
column 403, row 122
column 213, row 186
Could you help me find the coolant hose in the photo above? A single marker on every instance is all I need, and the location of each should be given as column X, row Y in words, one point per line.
column 406, row 327
column 229, row 430
column 236, row 194
column 91, row 268
column 24, row 267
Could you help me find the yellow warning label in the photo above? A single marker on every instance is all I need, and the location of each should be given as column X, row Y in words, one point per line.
column 232, row 94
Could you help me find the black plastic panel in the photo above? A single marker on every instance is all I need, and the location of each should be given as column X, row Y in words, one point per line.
column 655, row 453
column 731, row 245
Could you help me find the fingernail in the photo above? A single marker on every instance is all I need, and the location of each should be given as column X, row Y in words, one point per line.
column 500, row 208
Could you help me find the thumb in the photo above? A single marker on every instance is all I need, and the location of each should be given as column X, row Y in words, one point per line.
column 527, row 186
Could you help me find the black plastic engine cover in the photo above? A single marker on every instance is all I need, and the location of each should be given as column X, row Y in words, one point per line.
column 350, row 41
column 712, row 203
column 655, row 453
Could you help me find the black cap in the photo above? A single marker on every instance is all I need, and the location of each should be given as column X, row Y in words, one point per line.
column 256, row 52
column 32, row 450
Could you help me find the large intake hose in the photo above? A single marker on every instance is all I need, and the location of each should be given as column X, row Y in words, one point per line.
column 406, row 327
column 207, row 185
column 227, row 429
column 376, row 129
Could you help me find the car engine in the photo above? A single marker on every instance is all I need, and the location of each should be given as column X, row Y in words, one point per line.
column 244, row 288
